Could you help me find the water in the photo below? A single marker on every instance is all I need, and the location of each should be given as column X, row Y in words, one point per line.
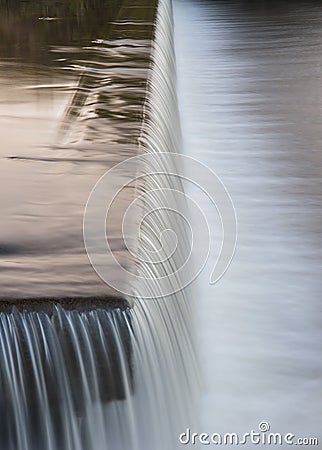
column 249, row 93
column 58, row 372
column 80, row 372
column 79, row 368
column 102, row 378
column 71, row 105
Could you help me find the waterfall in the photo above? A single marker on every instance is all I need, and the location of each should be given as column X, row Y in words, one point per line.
column 57, row 372
column 103, row 375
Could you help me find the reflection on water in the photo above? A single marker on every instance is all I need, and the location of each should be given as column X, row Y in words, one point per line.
column 29, row 29
column 72, row 86
column 250, row 94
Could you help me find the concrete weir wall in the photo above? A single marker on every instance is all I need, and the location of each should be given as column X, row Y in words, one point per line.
column 44, row 188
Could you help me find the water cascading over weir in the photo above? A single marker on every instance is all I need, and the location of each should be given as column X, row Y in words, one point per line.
column 85, row 366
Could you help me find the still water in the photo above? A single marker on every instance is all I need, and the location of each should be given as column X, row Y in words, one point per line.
column 72, row 88
column 250, row 90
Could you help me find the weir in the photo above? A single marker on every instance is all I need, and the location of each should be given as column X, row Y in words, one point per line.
column 81, row 365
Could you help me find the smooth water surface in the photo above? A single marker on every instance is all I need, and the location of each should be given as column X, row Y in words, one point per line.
column 72, row 89
column 250, row 86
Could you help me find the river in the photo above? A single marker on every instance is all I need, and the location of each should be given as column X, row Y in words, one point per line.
column 250, row 87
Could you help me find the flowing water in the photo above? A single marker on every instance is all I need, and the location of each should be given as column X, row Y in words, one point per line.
column 250, row 86
column 81, row 91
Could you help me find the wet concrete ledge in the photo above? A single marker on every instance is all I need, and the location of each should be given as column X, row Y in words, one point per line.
column 49, row 305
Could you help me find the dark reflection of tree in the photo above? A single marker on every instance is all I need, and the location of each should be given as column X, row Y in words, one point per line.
column 24, row 33
column 105, row 44
column 107, row 107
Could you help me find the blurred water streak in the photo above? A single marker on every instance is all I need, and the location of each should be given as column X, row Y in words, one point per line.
column 250, row 85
